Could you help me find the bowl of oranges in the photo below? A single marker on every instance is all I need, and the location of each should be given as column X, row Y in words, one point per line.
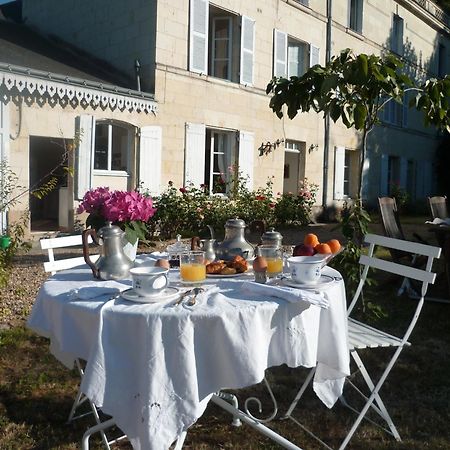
column 310, row 257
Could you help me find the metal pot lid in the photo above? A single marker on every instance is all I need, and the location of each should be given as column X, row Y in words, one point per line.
column 110, row 230
column 235, row 223
column 272, row 235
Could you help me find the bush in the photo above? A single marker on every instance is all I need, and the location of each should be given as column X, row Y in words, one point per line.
column 190, row 210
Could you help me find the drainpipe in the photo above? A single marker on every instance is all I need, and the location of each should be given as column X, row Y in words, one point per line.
column 326, row 146
column 137, row 70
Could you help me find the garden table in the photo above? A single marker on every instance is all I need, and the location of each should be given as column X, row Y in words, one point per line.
column 154, row 367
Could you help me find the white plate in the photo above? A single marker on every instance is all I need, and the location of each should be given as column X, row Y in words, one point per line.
column 231, row 275
column 167, row 294
column 325, row 281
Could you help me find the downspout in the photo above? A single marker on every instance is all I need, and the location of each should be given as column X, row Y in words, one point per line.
column 326, row 145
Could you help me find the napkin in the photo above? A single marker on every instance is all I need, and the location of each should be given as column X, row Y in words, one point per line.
column 102, row 289
column 285, row 293
column 438, row 221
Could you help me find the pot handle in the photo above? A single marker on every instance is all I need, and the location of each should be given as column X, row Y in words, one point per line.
column 85, row 238
column 195, row 243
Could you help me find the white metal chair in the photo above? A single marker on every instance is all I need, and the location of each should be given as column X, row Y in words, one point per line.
column 362, row 336
column 54, row 265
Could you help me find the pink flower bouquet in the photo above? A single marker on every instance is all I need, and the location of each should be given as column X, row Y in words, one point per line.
column 129, row 210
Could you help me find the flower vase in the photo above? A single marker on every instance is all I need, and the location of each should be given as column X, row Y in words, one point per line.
column 130, row 250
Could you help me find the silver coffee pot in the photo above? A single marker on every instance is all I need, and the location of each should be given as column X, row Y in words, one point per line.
column 112, row 264
column 234, row 242
column 272, row 237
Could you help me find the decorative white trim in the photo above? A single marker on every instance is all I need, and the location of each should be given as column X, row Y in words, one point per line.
column 105, row 96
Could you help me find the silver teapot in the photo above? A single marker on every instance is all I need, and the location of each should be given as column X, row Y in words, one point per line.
column 272, row 237
column 112, row 264
column 234, row 242
column 207, row 245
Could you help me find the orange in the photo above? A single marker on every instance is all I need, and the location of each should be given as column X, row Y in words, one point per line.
column 334, row 245
column 322, row 248
column 311, row 239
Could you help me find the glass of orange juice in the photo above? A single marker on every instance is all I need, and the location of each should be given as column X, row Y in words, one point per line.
column 274, row 257
column 193, row 267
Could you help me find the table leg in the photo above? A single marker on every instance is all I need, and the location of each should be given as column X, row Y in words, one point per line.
column 255, row 424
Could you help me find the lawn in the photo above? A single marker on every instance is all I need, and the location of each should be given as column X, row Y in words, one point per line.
column 36, row 391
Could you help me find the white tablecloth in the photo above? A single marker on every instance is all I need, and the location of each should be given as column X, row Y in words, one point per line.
column 154, row 367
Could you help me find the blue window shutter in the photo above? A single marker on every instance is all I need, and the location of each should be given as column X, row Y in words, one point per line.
column 384, row 181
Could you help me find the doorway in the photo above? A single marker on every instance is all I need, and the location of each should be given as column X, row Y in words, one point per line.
column 48, row 160
column 294, row 165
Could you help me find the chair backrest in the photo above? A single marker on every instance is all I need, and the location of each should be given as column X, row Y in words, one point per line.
column 438, row 207
column 53, row 265
column 426, row 276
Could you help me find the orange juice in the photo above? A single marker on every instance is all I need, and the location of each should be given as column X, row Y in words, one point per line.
column 193, row 272
column 274, row 266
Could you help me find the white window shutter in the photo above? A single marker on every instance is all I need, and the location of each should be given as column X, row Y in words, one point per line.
column 198, row 36
column 403, row 172
column 247, row 50
column 150, row 155
column 194, row 156
column 85, row 126
column 314, row 55
column 339, row 166
column 384, row 180
column 4, row 151
column 246, row 156
column 279, row 53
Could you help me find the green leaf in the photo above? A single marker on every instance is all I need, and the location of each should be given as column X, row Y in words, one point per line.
column 363, row 65
column 360, row 115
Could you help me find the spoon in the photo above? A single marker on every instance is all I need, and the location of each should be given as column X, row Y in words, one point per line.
column 195, row 291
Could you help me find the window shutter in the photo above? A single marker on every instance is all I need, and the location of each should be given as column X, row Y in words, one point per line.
column 427, row 178
column 384, row 180
column 279, row 53
column 339, row 166
column 150, row 154
column 194, row 157
column 85, row 126
column 246, row 156
column 403, row 172
column 198, row 36
column 247, row 50
column 314, row 55
column 4, row 151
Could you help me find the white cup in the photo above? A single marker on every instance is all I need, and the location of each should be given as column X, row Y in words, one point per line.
column 149, row 281
column 306, row 269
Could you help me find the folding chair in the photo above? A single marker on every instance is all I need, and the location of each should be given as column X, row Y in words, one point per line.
column 438, row 207
column 54, row 265
column 363, row 336
column 393, row 229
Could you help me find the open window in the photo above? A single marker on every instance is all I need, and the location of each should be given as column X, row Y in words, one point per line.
column 213, row 157
column 221, row 43
column 292, row 57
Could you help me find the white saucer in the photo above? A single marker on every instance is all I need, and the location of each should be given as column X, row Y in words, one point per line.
column 324, row 281
column 167, row 294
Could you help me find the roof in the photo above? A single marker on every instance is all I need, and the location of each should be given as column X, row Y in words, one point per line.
column 21, row 46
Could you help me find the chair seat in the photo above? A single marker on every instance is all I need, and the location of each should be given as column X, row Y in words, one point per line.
column 361, row 336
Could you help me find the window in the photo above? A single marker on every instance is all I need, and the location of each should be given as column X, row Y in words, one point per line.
column 303, row 2
column 298, row 56
column 292, row 57
column 111, row 147
column 397, row 34
column 355, row 15
column 220, row 158
column 442, row 67
column 395, row 113
column 345, row 173
column 393, row 174
column 221, row 44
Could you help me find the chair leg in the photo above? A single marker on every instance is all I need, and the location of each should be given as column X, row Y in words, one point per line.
column 371, row 398
column 300, row 393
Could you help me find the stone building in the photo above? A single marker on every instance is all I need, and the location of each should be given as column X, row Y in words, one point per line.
column 192, row 76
